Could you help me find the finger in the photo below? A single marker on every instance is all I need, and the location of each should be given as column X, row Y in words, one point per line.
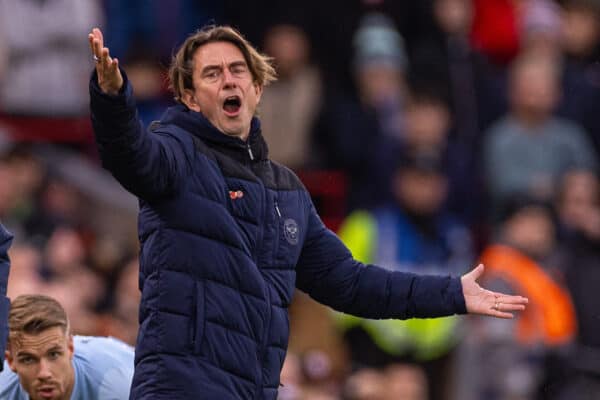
column 510, row 307
column 97, row 49
column 500, row 314
column 114, row 66
column 500, row 298
column 98, row 35
column 91, row 42
column 105, row 58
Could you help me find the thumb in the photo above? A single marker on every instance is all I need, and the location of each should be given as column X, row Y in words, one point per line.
column 476, row 272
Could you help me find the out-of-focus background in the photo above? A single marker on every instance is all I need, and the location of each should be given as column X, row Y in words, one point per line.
column 432, row 135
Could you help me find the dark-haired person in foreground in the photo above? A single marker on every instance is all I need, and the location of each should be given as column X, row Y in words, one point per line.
column 227, row 235
column 47, row 363
column 5, row 242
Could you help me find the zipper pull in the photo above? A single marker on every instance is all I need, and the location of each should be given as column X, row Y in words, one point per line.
column 250, row 151
column 277, row 209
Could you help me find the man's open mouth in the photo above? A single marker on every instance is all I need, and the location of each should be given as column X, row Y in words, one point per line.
column 46, row 391
column 232, row 105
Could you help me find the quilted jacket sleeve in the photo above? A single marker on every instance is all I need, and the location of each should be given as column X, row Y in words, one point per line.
column 5, row 241
column 328, row 273
column 147, row 164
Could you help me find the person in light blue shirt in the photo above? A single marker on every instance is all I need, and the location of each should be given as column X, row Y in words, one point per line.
column 45, row 362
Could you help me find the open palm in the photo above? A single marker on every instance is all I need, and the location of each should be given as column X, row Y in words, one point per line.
column 485, row 302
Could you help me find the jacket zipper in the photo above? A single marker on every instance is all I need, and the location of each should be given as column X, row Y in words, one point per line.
column 277, row 209
column 250, row 151
column 278, row 227
column 265, row 338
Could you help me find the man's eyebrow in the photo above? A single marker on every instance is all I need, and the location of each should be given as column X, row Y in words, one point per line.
column 24, row 353
column 240, row 63
column 210, row 68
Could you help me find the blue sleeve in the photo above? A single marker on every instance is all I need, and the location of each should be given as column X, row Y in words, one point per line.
column 116, row 383
column 5, row 241
column 147, row 164
column 329, row 274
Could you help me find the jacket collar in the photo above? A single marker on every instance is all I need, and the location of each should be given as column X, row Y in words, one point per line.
column 253, row 149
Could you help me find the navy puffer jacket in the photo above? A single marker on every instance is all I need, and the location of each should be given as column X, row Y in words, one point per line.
column 226, row 235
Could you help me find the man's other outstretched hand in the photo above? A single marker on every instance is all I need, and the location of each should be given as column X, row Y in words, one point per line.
column 485, row 302
column 110, row 79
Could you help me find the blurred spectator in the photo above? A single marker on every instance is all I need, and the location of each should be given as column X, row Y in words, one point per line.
column 70, row 280
column 41, row 72
column 396, row 382
column 579, row 212
column 528, row 150
column 427, row 131
column 540, row 28
column 581, row 77
column 496, row 29
column 313, row 332
column 361, row 135
column 24, row 275
column 123, row 321
column 580, row 30
column 288, row 109
column 511, row 356
column 446, row 60
column 143, row 34
column 414, row 235
column 154, row 26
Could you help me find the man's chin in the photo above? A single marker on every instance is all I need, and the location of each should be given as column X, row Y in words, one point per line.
column 234, row 130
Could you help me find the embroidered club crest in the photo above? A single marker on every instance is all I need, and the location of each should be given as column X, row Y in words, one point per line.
column 290, row 231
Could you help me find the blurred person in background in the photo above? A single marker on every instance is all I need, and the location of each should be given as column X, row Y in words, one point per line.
column 527, row 151
column 143, row 33
column 428, row 131
column 5, row 242
column 361, row 134
column 540, row 26
column 44, row 361
column 123, row 317
column 69, row 278
column 578, row 206
column 580, row 40
column 414, row 234
column 446, row 59
column 206, row 187
column 396, row 382
column 25, row 276
column 41, row 73
column 511, row 359
column 288, row 109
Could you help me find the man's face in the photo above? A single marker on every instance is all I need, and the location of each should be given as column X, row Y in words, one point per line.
column 43, row 364
column 224, row 89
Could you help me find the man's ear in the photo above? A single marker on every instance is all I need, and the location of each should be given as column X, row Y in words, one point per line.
column 71, row 347
column 190, row 100
column 10, row 360
column 259, row 89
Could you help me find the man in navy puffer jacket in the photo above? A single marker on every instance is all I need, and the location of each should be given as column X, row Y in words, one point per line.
column 226, row 234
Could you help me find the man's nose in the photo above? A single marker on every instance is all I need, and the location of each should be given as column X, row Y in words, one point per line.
column 228, row 78
column 44, row 371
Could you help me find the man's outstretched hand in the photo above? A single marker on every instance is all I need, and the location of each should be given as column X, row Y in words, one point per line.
column 485, row 302
column 110, row 79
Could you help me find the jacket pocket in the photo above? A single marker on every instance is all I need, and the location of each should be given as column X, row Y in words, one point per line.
column 198, row 318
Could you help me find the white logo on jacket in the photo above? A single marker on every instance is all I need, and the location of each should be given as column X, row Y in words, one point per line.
column 290, row 231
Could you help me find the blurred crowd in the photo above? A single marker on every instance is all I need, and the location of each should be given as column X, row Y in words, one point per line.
column 433, row 135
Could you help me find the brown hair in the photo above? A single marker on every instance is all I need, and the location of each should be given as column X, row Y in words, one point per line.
column 33, row 313
column 182, row 64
